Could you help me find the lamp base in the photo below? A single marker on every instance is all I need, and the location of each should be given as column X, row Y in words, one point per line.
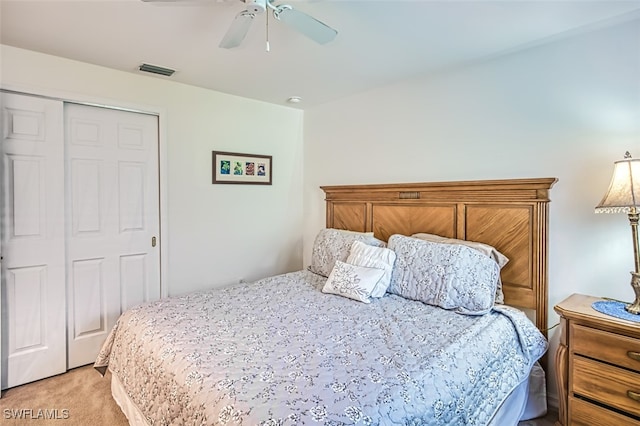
column 634, row 308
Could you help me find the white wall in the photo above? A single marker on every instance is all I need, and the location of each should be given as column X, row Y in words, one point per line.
column 217, row 233
column 567, row 109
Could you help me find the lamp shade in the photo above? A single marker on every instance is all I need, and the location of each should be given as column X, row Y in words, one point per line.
column 623, row 195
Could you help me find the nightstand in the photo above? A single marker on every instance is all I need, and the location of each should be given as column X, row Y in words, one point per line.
column 597, row 366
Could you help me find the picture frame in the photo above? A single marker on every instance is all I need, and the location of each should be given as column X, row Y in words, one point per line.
column 238, row 168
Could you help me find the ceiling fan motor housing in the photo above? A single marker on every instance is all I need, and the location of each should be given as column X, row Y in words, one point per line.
column 256, row 6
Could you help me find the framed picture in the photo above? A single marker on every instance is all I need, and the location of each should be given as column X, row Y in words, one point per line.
column 233, row 167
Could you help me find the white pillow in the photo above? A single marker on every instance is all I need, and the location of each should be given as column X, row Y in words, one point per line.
column 451, row 276
column 334, row 244
column 483, row 248
column 374, row 257
column 354, row 282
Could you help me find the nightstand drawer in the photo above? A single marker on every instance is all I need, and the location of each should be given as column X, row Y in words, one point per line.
column 583, row 413
column 606, row 384
column 609, row 347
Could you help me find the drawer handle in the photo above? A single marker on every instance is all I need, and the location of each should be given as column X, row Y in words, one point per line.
column 634, row 395
column 634, row 355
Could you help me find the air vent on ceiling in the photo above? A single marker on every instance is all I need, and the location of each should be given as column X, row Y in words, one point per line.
column 154, row 69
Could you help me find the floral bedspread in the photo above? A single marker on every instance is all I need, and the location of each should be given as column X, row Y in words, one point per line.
column 281, row 352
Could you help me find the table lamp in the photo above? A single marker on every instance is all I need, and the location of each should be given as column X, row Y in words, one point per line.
column 623, row 196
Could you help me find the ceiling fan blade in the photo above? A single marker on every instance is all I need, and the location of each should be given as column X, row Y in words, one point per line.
column 305, row 24
column 238, row 30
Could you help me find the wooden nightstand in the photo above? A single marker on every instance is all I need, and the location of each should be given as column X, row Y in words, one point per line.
column 597, row 366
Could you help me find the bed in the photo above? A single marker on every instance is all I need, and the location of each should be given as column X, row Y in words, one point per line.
column 285, row 351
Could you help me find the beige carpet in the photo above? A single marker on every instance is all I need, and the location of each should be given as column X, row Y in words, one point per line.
column 80, row 397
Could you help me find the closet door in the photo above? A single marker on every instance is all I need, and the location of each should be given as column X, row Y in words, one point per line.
column 113, row 260
column 33, row 265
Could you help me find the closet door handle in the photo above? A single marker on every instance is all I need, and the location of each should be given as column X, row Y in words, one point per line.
column 633, row 395
column 153, row 241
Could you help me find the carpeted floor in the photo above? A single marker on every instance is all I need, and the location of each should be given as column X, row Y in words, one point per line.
column 82, row 397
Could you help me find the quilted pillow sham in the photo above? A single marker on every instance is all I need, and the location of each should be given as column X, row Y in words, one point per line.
column 334, row 244
column 451, row 276
column 486, row 249
column 354, row 282
column 362, row 254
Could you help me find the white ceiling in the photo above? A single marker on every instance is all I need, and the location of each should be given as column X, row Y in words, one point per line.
column 378, row 42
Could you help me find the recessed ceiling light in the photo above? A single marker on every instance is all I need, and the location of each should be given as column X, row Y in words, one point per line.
column 294, row 99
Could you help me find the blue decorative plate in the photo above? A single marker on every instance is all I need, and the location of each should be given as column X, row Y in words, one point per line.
column 615, row 309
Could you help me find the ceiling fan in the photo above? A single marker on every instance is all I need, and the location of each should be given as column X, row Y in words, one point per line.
column 309, row 26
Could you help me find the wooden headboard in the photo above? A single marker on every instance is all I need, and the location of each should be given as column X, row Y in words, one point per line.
column 510, row 215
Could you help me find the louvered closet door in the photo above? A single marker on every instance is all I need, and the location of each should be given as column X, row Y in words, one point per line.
column 113, row 215
column 33, row 265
